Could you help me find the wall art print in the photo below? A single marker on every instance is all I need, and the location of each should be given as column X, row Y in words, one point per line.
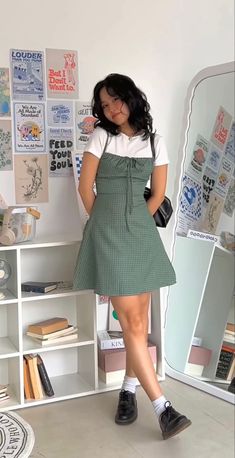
column 31, row 178
column 221, row 128
column 62, row 74
column 84, row 123
column 27, row 70
column 60, row 152
column 29, row 127
column 5, row 106
column 60, row 113
column 5, row 145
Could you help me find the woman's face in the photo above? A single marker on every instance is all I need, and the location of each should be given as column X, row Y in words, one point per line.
column 114, row 109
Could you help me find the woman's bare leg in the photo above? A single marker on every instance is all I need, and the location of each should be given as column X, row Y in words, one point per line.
column 131, row 311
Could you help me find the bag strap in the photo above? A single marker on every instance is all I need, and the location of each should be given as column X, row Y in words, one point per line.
column 152, row 137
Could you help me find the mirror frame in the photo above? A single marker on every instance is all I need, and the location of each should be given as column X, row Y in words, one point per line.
column 207, row 72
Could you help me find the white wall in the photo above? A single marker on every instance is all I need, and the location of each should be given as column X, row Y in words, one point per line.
column 160, row 44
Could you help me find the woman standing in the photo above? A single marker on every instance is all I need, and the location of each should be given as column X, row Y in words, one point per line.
column 121, row 254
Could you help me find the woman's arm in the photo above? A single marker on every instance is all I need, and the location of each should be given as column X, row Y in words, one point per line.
column 87, row 178
column 158, row 187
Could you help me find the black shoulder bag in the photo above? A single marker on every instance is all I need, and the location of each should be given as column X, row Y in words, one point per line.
column 164, row 212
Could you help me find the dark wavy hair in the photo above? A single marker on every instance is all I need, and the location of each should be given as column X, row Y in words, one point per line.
column 125, row 88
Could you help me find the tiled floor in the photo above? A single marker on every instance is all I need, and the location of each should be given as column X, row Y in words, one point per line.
column 84, row 427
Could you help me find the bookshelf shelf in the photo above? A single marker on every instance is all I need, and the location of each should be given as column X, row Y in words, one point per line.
column 72, row 366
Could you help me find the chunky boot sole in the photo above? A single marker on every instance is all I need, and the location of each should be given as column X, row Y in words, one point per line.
column 128, row 421
column 176, row 430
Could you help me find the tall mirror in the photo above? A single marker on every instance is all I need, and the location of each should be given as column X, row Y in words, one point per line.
column 200, row 315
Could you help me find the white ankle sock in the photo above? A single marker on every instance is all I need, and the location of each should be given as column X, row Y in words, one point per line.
column 129, row 384
column 159, row 405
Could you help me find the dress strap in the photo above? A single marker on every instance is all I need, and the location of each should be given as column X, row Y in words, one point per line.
column 106, row 143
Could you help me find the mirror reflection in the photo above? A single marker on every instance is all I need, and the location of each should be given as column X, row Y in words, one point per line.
column 200, row 316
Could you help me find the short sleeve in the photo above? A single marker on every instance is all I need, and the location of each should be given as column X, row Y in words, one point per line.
column 96, row 142
column 161, row 154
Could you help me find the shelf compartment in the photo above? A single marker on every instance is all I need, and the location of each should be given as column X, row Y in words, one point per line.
column 9, row 375
column 79, row 310
column 55, row 293
column 10, row 288
column 49, row 263
column 9, row 329
column 71, row 371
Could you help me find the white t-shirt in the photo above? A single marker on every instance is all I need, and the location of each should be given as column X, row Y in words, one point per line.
column 122, row 145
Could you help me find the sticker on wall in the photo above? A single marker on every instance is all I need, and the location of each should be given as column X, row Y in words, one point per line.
column 29, row 127
column 5, row 145
column 221, row 128
column 213, row 213
column 190, row 209
column 5, row 106
column 62, row 74
column 200, row 151
column 60, row 149
column 27, row 74
column 84, row 123
column 230, row 146
column 60, row 113
column 31, row 178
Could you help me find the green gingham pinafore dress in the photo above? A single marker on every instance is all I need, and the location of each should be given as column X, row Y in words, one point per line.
column 121, row 253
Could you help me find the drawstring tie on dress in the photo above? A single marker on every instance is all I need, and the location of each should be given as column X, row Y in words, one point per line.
column 129, row 198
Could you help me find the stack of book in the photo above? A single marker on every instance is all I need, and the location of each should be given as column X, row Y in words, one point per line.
column 38, row 287
column 36, row 380
column 229, row 335
column 53, row 331
column 226, row 365
column 3, row 393
column 112, row 356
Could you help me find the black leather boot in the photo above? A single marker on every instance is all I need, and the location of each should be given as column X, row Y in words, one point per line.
column 127, row 411
column 172, row 422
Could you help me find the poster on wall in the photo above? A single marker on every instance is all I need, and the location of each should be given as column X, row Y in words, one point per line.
column 221, row 128
column 84, row 123
column 62, row 74
column 5, row 106
column 190, row 208
column 29, row 127
column 200, row 151
column 213, row 213
column 208, row 183
column 31, row 178
column 27, row 70
column 60, row 152
column 60, row 113
column 214, row 158
column 230, row 146
column 223, row 178
column 229, row 204
column 5, row 145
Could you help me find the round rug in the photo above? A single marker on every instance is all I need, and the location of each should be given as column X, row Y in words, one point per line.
column 16, row 436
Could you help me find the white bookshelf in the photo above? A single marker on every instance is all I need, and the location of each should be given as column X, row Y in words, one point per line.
column 199, row 302
column 72, row 366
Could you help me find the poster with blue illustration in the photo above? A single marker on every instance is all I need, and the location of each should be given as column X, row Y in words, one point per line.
column 5, row 145
column 27, row 72
column 190, row 209
column 214, row 158
column 60, row 113
column 84, row 123
column 5, row 106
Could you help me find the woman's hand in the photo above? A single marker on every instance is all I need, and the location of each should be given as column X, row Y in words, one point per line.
column 87, row 179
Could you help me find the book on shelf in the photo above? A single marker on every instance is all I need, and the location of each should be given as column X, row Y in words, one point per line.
column 229, row 337
column 38, row 287
column 4, row 398
column 3, row 388
column 194, row 369
column 28, row 390
column 34, row 376
column 225, row 364
column 46, row 383
column 52, row 335
column 111, row 377
column 48, row 326
column 110, row 339
column 56, row 340
column 230, row 327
